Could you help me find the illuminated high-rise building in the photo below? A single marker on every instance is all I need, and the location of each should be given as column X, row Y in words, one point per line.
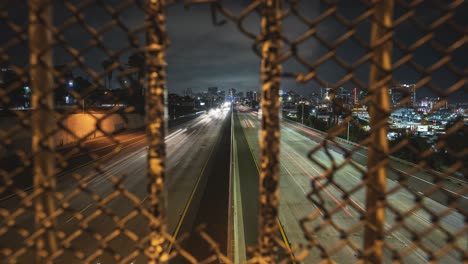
column 403, row 92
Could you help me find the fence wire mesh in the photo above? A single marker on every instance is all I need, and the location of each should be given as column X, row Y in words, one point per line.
column 405, row 204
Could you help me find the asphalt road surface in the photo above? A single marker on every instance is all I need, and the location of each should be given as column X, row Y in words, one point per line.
column 101, row 225
column 213, row 193
column 298, row 175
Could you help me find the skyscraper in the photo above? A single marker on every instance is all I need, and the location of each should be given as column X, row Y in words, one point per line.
column 231, row 93
column 403, row 92
column 188, row 92
column 213, row 90
column 249, row 95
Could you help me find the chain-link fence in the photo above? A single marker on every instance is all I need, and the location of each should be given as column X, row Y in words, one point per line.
column 381, row 200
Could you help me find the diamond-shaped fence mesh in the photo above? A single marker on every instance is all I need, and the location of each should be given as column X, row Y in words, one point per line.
column 384, row 172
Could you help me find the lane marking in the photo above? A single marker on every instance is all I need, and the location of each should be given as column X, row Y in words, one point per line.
column 81, row 211
column 321, row 186
column 440, row 188
column 238, row 244
column 174, row 135
column 414, row 213
column 300, row 186
column 94, row 150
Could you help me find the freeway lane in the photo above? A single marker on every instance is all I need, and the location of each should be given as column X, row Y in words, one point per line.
column 298, row 173
column 96, row 219
column 419, row 180
column 213, row 201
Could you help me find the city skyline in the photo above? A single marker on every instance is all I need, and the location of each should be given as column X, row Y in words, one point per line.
column 201, row 55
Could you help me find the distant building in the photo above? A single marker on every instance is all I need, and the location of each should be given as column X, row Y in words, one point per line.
column 249, row 95
column 255, row 96
column 64, row 82
column 326, row 93
column 7, row 77
column 188, row 92
column 429, row 104
column 240, row 95
column 232, row 94
column 345, row 96
column 291, row 97
column 20, row 92
column 213, row 91
column 403, row 92
column 314, row 98
column 222, row 95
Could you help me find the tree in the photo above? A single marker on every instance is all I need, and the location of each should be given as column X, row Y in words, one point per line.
column 106, row 65
column 64, row 75
column 137, row 62
column 81, row 85
column 11, row 82
column 305, row 114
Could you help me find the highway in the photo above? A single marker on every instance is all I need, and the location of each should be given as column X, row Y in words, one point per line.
column 98, row 223
column 341, row 236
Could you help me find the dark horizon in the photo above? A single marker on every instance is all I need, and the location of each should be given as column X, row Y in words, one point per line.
column 201, row 55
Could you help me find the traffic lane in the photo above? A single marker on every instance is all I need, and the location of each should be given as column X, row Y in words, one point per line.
column 434, row 241
column 348, row 178
column 102, row 150
column 67, row 159
column 185, row 169
column 212, row 211
column 130, row 142
column 452, row 220
column 294, row 206
column 182, row 175
column 74, row 156
column 417, row 179
column 402, row 204
column 84, row 199
column 66, row 185
column 248, row 172
column 328, row 197
column 21, row 210
column 248, row 181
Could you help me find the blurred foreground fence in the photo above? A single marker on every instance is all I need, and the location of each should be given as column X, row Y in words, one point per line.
column 34, row 35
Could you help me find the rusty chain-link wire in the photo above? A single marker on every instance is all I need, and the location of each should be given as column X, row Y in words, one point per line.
column 369, row 216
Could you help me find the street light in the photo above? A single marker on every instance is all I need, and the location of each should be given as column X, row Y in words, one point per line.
column 347, row 134
column 83, row 102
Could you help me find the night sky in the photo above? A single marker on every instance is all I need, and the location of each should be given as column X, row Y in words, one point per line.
column 202, row 55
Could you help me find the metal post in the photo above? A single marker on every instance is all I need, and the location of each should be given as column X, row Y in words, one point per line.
column 347, row 133
column 43, row 125
column 379, row 110
column 270, row 131
column 156, row 38
column 302, row 114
